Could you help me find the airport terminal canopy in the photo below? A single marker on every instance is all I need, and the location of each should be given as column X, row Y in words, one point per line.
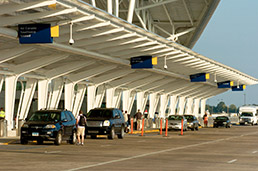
column 96, row 40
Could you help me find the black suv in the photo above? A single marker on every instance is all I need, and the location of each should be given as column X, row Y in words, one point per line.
column 105, row 121
column 49, row 125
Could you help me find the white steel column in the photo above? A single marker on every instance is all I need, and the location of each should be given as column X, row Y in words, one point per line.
column 117, row 8
column 42, row 93
column 91, row 91
column 154, row 100
column 10, row 90
column 181, row 105
column 109, row 6
column 189, row 106
column 113, row 97
column 69, row 95
column 27, row 98
column 196, row 107
column 56, row 93
column 128, row 100
column 99, row 95
column 79, row 99
column 141, row 100
column 203, row 105
column 131, row 11
column 172, row 106
column 163, row 105
column 1, row 82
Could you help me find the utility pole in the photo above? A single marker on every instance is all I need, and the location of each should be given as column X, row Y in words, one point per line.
column 244, row 99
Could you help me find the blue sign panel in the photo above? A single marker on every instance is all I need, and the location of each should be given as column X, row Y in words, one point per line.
column 34, row 33
column 141, row 62
column 225, row 84
column 201, row 77
column 238, row 88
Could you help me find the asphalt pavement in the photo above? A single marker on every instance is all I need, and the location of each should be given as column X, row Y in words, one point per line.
column 210, row 149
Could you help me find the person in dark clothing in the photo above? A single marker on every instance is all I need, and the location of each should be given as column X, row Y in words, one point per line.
column 138, row 117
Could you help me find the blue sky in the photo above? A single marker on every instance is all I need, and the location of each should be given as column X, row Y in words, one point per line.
column 231, row 38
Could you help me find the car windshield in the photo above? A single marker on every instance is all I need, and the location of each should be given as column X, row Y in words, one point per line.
column 189, row 117
column 175, row 117
column 221, row 118
column 100, row 114
column 246, row 114
column 45, row 116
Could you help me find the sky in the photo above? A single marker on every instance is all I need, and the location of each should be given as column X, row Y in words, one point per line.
column 231, row 38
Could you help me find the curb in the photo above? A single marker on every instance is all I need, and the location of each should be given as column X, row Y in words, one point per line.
column 148, row 131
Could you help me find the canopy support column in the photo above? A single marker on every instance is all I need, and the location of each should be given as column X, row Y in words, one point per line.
column 56, row 93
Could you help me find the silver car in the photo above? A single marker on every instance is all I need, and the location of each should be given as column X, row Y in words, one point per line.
column 174, row 122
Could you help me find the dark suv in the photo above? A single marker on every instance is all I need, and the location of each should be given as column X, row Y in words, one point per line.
column 105, row 121
column 49, row 125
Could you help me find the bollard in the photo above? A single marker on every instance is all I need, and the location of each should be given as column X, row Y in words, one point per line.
column 160, row 126
column 166, row 133
column 5, row 129
column 142, row 126
column 131, row 125
column 182, row 127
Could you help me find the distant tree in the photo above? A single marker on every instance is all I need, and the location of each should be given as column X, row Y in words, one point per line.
column 232, row 108
column 221, row 107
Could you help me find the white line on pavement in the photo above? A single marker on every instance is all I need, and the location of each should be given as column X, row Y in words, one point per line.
column 254, row 152
column 51, row 152
column 157, row 152
column 232, row 161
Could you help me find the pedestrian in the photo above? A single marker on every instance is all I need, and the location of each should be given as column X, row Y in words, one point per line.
column 80, row 124
column 2, row 113
column 205, row 120
column 126, row 121
column 138, row 117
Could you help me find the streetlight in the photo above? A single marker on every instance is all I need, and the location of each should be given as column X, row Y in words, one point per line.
column 244, row 99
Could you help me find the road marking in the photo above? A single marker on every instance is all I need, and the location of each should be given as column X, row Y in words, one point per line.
column 142, row 141
column 254, row 152
column 156, row 152
column 232, row 161
column 52, row 152
column 105, row 145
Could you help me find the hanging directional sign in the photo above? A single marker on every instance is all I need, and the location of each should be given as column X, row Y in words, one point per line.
column 238, row 88
column 225, row 84
column 37, row 33
column 201, row 77
column 142, row 62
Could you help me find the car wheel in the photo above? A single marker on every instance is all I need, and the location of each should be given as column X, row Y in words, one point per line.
column 111, row 135
column 39, row 141
column 23, row 141
column 197, row 128
column 122, row 133
column 93, row 136
column 73, row 138
column 252, row 124
column 58, row 139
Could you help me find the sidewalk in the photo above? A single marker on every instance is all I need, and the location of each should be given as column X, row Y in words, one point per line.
column 9, row 140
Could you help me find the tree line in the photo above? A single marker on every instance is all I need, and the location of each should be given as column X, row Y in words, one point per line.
column 222, row 107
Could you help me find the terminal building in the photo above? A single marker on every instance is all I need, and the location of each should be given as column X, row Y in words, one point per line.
column 83, row 54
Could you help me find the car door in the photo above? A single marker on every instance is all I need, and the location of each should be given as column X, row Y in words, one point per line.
column 116, row 118
column 69, row 124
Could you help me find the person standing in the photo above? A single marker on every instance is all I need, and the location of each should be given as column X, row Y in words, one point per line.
column 80, row 124
column 138, row 117
column 205, row 120
column 126, row 120
column 2, row 113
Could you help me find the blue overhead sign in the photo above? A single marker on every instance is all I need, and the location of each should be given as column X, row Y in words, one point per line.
column 225, row 84
column 238, row 88
column 34, row 33
column 201, row 77
column 141, row 62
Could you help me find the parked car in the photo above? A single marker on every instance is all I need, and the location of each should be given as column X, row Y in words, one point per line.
column 105, row 121
column 49, row 125
column 174, row 122
column 248, row 118
column 223, row 121
column 192, row 122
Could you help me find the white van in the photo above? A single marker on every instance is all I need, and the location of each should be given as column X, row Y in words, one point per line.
column 248, row 115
